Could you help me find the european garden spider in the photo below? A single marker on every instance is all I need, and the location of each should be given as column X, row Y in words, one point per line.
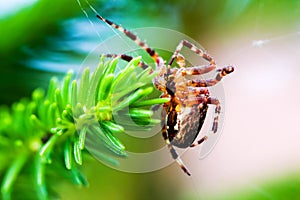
column 184, row 115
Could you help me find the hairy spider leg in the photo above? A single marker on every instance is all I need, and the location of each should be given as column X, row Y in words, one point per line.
column 197, row 70
column 193, row 48
column 158, row 81
column 165, row 135
column 128, row 59
column 154, row 55
column 207, row 83
column 194, row 93
column 173, row 151
column 216, row 102
column 199, row 141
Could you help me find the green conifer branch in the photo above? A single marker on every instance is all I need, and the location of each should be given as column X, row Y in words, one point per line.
column 52, row 126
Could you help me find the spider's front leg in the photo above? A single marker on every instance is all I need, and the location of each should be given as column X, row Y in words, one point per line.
column 193, row 48
column 198, row 70
column 211, row 82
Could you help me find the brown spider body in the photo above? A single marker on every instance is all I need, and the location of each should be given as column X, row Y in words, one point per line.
column 184, row 115
column 184, row 119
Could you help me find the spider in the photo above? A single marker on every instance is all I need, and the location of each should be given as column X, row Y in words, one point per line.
column 184, row 115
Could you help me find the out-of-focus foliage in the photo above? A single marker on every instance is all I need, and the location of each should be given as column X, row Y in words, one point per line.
column 24, row 36
column 29, row 27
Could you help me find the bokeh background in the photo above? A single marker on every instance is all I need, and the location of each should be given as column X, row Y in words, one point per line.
column 258, row 154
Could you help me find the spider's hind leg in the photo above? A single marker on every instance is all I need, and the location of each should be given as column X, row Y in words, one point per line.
column 173, row 152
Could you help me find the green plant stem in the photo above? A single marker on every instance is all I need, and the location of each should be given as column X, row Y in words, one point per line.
column 40, row 177
column 12, row 174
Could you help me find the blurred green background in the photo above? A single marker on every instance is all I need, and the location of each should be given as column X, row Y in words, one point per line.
column 258, row 155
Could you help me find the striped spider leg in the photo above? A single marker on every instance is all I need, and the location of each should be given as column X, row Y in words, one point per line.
column 128, row 58
column 184, row 115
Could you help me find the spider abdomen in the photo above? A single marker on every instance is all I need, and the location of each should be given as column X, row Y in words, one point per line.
column 189, row 123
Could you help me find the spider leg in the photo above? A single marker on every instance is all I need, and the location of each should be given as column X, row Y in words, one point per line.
column 197, row 70
column 195, row 92
column 207, row 83
column 199, row 141
column 190, row 95
column 128, row 59
column 193, row 48
column 216, row 102
column 173, row 151
column 135, row 38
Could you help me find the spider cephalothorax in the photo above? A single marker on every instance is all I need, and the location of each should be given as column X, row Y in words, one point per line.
column 184, row 115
